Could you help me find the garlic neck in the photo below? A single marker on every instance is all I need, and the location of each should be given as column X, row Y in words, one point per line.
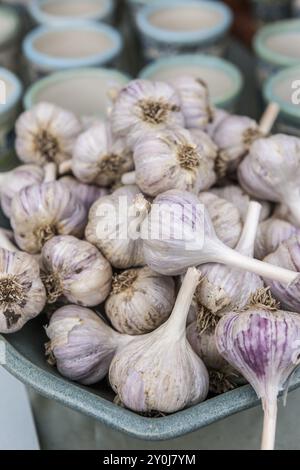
column 50, row 172
column 246, row 242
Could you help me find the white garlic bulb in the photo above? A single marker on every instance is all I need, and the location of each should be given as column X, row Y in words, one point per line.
column 46, row 133
column 217, row 117
column 99, row 157
column 271, row 171
column 238, row 197
column 143, row 106
column 86, row 193
column 75, row 270
column 224, row 216
column 114, row 223
column 22, row 294
column 140, row 301
column 234, row 137
column 13, row 181
column 41, row 211
column 174, row 159
column 271, row 233
column 160, row 371
column 195, row 101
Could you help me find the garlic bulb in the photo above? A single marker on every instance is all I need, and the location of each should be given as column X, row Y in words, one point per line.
column 178, row 233
column 224, row 216
column 195, row 101
column 46, row 133
column 41, row 211
column 234, row 137
column 240, row 199
column 287, row 255
column 140, row 301
column 262, row 343
column 22, row 294
column 76, row 270
column 114, row 223
column 144, row 106
column 160, row 371
column 81, row 344
column 12, row 182
column 272, row 171
column 174, row 159
column 271, row 233
column 222, row 288
column 218, row 115
column 99, row 158
column 86, row 193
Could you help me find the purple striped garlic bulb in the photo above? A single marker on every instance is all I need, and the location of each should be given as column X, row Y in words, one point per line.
column 287, row 255
column 195, row 101
column 76, row 271
column 177, row 233
column 271, row 233
column 86, row 193
column 22, row 294
column 81, row 344
column 143, row 106
column 160, row 371
column 271, row 171
column 12, row 182
column 174, row 159
column 263, row 344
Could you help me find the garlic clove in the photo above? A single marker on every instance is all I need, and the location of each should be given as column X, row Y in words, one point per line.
column 140, row 301
column 160, row 371
column 81, row 344
column 99, row 158
column 76, row 270
column 114, row 225
column 271, row 233
column 144, row 106
column 224, row 216
column 46, row 133
column 39, row 212
column 180, row 159
column 22, row 294
column 86, row 193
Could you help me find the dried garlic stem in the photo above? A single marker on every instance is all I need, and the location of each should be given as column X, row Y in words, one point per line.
column 268, row 118
column 128, row 178
column 50, row 173
column 65, row 167
column 247, row 241
column 269, row 426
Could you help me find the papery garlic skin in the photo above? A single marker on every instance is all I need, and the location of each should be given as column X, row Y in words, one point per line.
column 40, row 212
column 144, row 106
column 46, row 133
column 204, row 345
column 86, row 193
column 76, row 270
column 224, row 216
column 195, row 101
column 271, row 171
column 173, row 159
column 234, row 137
column 100, row 158
column 287, row 255
column 22, row 294
column 82, row 344
column 160, row 371
column 14, row 181
column 113, row 227
column 140, row 301
column 271, row 233
column 218, row 116
column 240, row 199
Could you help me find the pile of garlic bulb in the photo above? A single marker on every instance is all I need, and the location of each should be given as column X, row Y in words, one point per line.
column 132, row 290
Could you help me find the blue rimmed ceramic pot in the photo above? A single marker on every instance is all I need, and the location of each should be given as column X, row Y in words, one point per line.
column 64, row 12
column 271, row 10
column 50, row 49
column 86, row 92
column 169, row 27
column 277, row 46
column 10, row 102
column 224, row 80
column 10, row 31
column 284, row 89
